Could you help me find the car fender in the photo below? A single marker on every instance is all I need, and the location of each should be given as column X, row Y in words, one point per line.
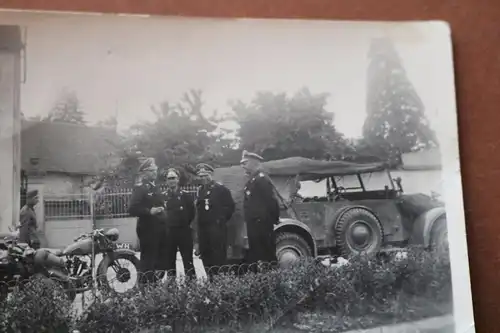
column 291, row 225
column 422, row 227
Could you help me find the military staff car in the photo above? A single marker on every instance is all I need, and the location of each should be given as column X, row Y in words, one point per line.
column 348, row 218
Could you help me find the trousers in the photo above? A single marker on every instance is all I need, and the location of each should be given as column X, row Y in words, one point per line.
column 152, row 241
column 179, row 239
column 213, row 246
column 261, row 242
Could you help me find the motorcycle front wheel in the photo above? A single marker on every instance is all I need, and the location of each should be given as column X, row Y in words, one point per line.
column 122, row 266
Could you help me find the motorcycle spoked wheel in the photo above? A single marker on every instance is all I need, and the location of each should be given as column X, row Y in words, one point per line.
column 122, row 273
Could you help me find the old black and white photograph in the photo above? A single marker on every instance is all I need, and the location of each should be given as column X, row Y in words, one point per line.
column 175, row 174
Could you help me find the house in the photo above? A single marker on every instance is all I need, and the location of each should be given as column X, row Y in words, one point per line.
column 59, row 159
column 64, row 157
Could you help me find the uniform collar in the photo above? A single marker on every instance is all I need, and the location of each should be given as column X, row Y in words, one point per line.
column 255, row 174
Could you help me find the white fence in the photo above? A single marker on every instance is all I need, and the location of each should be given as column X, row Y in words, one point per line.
column 66, row 216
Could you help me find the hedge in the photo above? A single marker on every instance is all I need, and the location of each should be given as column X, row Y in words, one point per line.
column 364, row 292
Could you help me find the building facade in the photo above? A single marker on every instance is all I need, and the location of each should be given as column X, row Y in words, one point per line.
column 11, row 46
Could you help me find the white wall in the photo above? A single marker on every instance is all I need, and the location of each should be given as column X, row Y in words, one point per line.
column 421, row 181
column 9, row 142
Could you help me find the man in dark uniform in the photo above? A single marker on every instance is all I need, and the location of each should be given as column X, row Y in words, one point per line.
column 147, row 204
column 214, row 207
column 27, row 221
column 261, row 210
column 180, row 212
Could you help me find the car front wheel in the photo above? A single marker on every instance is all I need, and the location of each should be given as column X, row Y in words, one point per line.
column 291, row 247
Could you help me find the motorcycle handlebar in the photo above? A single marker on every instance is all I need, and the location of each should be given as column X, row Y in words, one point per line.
column 89, row 234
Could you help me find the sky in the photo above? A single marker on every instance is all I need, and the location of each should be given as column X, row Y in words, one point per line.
column 123, row 65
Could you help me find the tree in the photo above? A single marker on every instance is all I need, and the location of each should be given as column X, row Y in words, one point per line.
column 67, row 109
column 279, row 126
column 395, row 122
column 181, row 134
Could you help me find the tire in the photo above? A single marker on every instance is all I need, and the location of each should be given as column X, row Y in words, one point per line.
column 370, row 232
column 102, row 269
column 439, row 237
column 291, row 247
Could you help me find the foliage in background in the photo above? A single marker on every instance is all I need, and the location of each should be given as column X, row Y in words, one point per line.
column 365, row 292
column 181, row 133
column 275, row 125
column 395, row 122
column 278, row 126
column 67, row 109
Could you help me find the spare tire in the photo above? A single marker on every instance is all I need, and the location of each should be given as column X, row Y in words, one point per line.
column 358, row 231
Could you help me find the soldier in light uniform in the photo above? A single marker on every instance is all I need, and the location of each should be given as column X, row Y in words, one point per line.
column 261, row 210
column 214, row 207
column 180, row 212
column 28, row 222
column 147, row 204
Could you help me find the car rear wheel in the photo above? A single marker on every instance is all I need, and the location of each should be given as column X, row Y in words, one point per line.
column 439, row 236
column 358, row 231
column 290, row 247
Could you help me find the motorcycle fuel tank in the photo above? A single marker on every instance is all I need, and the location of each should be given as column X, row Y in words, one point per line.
column 78, row 248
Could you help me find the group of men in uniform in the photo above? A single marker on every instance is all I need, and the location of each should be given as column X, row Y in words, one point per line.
column 172, row 221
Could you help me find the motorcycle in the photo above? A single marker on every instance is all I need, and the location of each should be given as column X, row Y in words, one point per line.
column 88, row 246
column 19, row 262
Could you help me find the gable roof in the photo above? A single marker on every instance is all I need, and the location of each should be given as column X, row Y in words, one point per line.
column 68, row 148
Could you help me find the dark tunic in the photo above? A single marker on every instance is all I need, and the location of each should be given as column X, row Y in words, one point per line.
column 28, row 226
column 262, row 211
column 214, row 207
column 150, row 228
column 180, row 213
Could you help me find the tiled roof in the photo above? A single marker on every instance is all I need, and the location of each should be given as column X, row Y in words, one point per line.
column 68, row 148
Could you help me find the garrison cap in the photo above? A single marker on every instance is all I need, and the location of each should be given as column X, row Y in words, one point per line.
column 32, row 194
column 148, row 165
column 172, row 172
column 247, row 156
column 204, row 169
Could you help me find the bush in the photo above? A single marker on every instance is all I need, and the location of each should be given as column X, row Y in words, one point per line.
column 378, row 290
column 40, row 306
